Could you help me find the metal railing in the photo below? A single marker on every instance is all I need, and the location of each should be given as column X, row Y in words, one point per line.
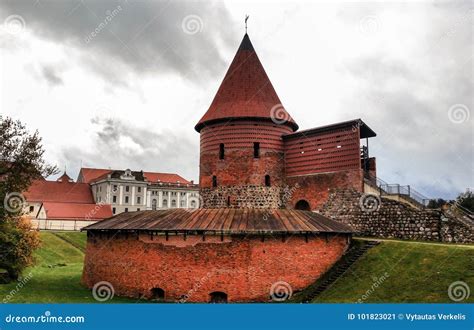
column 397, row 189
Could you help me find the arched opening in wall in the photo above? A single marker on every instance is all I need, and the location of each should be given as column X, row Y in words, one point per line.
column 193, row 204
column 157, row 294
column 214, row 181
column 153, row 204
column 173, row 203
column 267, row 181
column 302, row 205
column 218, row 297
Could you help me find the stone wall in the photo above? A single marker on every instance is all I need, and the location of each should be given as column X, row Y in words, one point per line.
column 189, row 269
column 385, row 218
column 251, row 196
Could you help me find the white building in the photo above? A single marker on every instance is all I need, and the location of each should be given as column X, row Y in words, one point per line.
column 128, row 191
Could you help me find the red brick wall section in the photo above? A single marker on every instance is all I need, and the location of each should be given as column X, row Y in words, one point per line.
column 243, row 268
column 315, row 189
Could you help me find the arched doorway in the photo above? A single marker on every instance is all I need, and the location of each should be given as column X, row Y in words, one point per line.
column 302, row 205
column 218, row 297
column 157, row 294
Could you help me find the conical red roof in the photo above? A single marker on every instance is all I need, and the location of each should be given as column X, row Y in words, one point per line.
column 246, row 92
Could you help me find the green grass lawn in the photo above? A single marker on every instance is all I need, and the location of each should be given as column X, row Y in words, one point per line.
column 56, row 276
column 417, row 272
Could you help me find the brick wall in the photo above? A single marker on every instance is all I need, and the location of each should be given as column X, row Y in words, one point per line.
column 315, row 189
column 393, row 219
column 243, row 268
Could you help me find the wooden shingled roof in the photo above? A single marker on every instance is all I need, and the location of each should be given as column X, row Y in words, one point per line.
column 223, row 220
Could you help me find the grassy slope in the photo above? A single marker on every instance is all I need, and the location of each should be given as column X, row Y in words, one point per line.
column 417, row 272
column 56, row 276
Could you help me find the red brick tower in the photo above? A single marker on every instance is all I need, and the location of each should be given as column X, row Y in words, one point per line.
column 241, row 159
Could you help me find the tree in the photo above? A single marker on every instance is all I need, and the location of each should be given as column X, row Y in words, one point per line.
column 466, row 200
column 436, row 203
column 21, row 162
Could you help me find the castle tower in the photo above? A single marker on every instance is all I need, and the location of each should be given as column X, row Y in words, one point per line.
column 241, row 156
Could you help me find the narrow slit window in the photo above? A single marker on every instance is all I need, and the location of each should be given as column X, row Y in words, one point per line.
column 221, row 151
column 267, row 180
column 256, row 150
column 214, row 181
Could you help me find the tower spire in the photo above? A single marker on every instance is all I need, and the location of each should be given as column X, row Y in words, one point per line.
column 246, row 19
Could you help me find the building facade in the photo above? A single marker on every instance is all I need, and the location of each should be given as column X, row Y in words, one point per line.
column 129, row 191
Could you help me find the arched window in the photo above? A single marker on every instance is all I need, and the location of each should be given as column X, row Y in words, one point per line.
column 157, row 294
column 221, row 151
column 193, row 204
column 153, row 204
column 267, row 180
column 173, row 203
column 165, row 203
column 218, row 297
column 256, row 150
column 302, row 205
column 214, row 181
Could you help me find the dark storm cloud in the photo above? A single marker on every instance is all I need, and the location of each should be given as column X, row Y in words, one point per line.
column 144, row 37
column 407, row 99
column 120, row 145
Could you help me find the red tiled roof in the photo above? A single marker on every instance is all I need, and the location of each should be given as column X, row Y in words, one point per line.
column 57, row 191
column 74, row 211
column 89, row 175
column 246, row 92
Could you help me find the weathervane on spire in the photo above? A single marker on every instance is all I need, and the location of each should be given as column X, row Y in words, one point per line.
column 246, row 19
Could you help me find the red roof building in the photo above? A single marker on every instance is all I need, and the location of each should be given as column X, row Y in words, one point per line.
column 88, row 175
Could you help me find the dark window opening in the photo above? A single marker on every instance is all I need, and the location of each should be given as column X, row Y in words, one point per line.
column 267, row 181
column 228, row 200
column 256, row 150
column 302, row 205
column 32, row 208
column 126, row 209
column 114, row 199
column 157, row 294
column 214, row 181
column 218, row 297
column 113, row 210
column 221, row 151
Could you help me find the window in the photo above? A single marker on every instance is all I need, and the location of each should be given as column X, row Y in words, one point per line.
column 139, row 189
column 173, row 203
column 113, row 210
column 32, row 208
column 114, row 188
column 228, row 201
column 182, row 203
column 267, row 180
column 221, row 151
column 126, row 199
column 218, row 297
column 138, row 209
column 165, row 203
column 127, row 188
column 114, row 199
column 214, row 181
column 153, row 204
column 193, row 204
column 139, row 200
column 126, row 209
column 256, row 150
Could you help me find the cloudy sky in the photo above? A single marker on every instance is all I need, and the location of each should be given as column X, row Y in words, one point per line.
column 121, row 84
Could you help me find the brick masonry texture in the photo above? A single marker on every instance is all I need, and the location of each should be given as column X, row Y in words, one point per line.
column 395, row 220
column 315, row 189
column 243, row 267
column 256, row 197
